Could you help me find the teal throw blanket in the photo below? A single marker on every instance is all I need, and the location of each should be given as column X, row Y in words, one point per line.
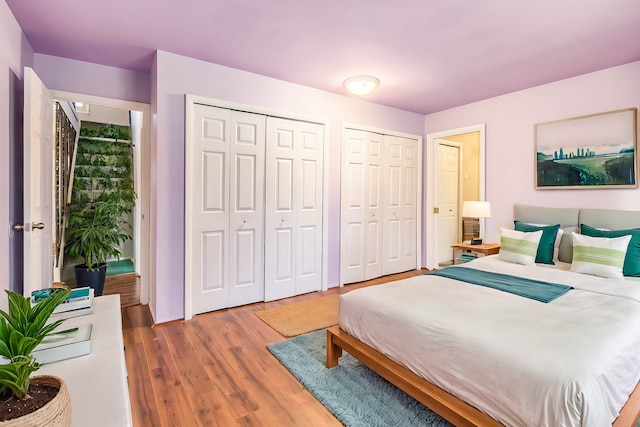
column 528, row 288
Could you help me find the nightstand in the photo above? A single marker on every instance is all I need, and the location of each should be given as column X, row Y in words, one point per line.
column 464, row 252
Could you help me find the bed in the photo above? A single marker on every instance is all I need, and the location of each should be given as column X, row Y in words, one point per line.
column 488, row 357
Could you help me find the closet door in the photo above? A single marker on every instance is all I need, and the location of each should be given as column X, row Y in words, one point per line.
column 361, row 217
column 393, row 190
column 409, row 204
column 293, row 218
column 225, row 196
column 400, row 211
column 246, row 218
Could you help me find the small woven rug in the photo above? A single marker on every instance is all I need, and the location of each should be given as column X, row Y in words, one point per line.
column 302, row 317
column 355, row 394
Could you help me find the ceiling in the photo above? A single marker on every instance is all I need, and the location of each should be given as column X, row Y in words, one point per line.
column 429, row 55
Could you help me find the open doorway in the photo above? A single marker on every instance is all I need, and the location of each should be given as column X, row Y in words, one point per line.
column 128, row 275
column 447, row 187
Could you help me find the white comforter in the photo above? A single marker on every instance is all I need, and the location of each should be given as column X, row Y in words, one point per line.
column 571, row 362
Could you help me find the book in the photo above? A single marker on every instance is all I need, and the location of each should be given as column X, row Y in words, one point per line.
column 71, row 313
column 61, row 346
column 79, row 298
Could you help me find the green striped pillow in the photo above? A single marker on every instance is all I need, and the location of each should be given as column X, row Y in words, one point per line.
column 518, row 246
column 599, row 256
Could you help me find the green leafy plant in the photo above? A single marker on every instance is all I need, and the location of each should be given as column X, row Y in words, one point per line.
column 21, row 330
column 94, row 234
column 103, row 194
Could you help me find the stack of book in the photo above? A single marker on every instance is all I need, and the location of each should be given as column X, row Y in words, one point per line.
column 467, row 256
column 65, row 343
column 78, row 303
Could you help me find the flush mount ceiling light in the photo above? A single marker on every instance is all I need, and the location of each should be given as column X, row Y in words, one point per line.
column 361, row 85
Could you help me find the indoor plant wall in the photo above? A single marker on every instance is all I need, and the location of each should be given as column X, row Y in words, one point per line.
column 27, row 400
column 102, row 195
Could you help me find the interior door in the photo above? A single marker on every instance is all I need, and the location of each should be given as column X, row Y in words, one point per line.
column 373, row 206
column 361, row 198
column 293, row 208
column 448, row 197
column 410, row 204
column 38, row 183
column 392, row 242
column 224, row 252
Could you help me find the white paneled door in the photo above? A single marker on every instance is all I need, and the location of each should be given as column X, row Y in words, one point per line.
column 293, row 217
column 225, row 193
column 447, row 198
column 399, row 211
column 38, row 183
column 379, row 212
column 361, row 230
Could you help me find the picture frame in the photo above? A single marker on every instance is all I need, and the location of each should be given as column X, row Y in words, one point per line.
column 596, row 151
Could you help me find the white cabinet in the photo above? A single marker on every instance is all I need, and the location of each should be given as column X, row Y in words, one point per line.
column 379, row 205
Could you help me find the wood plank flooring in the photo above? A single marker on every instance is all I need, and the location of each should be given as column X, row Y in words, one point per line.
column 127, row 285
column 214, row 370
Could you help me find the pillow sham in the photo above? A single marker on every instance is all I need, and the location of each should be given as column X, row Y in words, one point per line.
column 599, row 256
column 544, row 254
column 632, row 259
column 518, row 246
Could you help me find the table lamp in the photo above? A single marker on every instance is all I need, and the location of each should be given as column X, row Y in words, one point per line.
column 476, row 210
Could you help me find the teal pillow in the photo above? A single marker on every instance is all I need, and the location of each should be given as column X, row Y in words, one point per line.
column 545, row 248
column 632, row 259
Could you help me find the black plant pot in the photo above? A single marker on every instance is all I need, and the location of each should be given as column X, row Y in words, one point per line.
column 92, row 278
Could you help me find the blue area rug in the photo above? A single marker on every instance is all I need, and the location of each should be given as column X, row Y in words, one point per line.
column 355, row 394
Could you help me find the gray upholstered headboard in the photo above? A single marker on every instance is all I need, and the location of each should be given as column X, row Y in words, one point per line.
column 568, row 218
column 571, row 218
column 612, row 220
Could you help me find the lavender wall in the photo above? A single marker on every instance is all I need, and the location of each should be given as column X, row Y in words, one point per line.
column 177, row 75
column 15, row 54
column 509, row 138
column 86, row 78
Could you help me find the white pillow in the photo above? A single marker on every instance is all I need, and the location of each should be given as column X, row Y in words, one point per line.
column 599, row 256
column 518, row 246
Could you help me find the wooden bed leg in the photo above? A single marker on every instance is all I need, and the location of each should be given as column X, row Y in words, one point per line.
column 333, row 350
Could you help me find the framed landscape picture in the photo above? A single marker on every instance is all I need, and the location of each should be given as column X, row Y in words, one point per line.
column 587, row 152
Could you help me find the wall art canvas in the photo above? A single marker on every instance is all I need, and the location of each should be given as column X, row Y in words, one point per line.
column 587, row 152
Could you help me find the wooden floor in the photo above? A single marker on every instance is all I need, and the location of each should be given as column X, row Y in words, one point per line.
column 127, row 285
column 214, row 370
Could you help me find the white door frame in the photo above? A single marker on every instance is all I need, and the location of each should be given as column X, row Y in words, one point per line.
column 144, row 232
column 459, row 146
column 345, row 126
column 431, row 178
column 190, row 100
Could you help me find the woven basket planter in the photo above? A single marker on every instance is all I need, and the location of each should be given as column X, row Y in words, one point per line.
column 56, row 413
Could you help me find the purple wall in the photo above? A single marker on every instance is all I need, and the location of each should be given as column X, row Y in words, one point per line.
column 510, row 122
column 177, row 75
column 15, row 54
column 86, row 78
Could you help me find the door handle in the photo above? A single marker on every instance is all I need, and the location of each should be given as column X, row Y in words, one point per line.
column 28, row 227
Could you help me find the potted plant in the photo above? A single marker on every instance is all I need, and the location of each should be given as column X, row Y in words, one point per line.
column 26, row 400
column 93, row 235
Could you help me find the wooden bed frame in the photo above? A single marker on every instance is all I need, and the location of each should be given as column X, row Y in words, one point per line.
column 439, row 401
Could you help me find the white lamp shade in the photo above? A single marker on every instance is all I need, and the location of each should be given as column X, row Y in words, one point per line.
column 475, row 209
column 361, row 85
